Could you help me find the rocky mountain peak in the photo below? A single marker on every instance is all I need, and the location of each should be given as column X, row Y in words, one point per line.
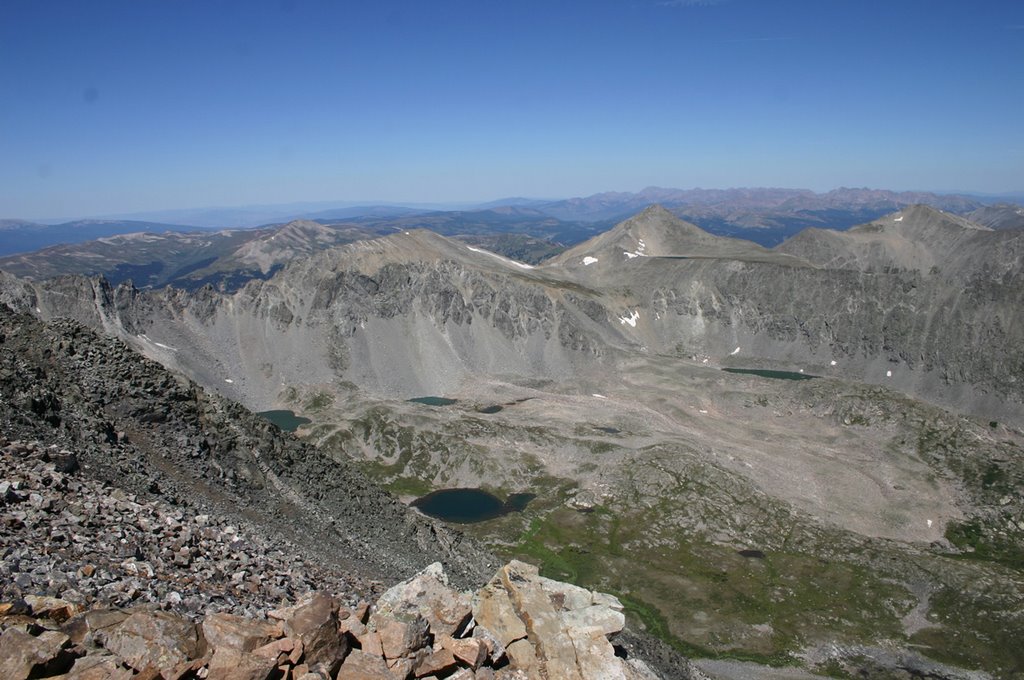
column 657, row 232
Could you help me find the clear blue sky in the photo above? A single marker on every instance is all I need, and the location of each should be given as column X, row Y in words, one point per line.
column 115, row 106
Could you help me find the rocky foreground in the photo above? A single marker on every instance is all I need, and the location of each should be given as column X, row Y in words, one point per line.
column 100, row 583
column 520, row 625
column 151, row 530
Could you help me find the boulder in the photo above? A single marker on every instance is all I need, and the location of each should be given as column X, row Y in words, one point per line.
column 237, row 632
column 158, row 639
column 23, row 656
column 551, row 629
column 360, row 665
column 439, row 662
column 400, row 638
column 234, row 664
column 470, row 651
column 315, row 624
column 82, row 627
column 99, row 667
column 52, row 608
column 446, row 610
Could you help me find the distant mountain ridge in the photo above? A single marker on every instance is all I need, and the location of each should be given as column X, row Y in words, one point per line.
column 22, row 236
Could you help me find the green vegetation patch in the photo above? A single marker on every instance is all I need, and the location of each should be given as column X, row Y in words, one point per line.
column 707, row 599
column 982, row 541
column 974, row 630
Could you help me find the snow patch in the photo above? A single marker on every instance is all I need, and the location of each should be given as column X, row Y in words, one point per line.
column 503, row 259
column 833, row 363
column 589, row 260
column 143, row 336
column 888, row 374
column 630, row 255
column 598, row 396
column 229, row 381
column 38, row 311
column 631, row 319
column 898, row 219
column 929, row 523
column 735, row 351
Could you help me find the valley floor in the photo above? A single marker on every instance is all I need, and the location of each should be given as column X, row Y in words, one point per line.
column 818, row 523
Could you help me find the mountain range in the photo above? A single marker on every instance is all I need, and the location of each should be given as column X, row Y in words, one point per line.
column 767, row 216
column 804, row 454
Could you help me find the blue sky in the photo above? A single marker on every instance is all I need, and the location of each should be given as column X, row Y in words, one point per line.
column 109, row 107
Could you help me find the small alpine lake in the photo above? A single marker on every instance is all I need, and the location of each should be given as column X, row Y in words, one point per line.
column 768, row 373
column 465, row 506
column 285, row 419
column 433, row 401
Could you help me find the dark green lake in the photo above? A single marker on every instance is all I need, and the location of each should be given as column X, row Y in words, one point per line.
column 774, row 375
column 465, row 506
column 286, row 420
column 434, row 401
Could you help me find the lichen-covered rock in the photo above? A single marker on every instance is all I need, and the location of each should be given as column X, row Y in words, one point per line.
column 428, row 594
column 551, row 629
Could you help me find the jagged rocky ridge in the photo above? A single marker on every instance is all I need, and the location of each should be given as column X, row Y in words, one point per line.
column 136, row 426
column 904, row 301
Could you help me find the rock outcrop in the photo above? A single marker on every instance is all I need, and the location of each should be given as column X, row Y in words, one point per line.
column 520, row 625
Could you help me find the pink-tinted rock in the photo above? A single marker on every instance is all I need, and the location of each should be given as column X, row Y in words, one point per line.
column 98, row 667
column 469, row 651
column 315, row 624
column 86, row 624
column 359, row 665
column 400, row 638
column 234, row 664
column 236, row 632
column 439, row 662
column 158, row 639
column 427, row 594
column 23, row 655
column 51, row 608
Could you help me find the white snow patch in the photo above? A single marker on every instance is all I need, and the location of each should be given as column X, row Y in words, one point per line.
column 38, row 311
column 801, row 370
column 630, row 255
column 929, row 523
column 589, row 260
column 735, row 351
column 521, row 265
column 598, row 396
column 898, row 219
column 833, row 363
column 888, row 374
column 143, row 336
column 228, row 380
column 704, row 411
column 631, row 319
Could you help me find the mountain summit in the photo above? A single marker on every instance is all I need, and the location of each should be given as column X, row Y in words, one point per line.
column 656, row 232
